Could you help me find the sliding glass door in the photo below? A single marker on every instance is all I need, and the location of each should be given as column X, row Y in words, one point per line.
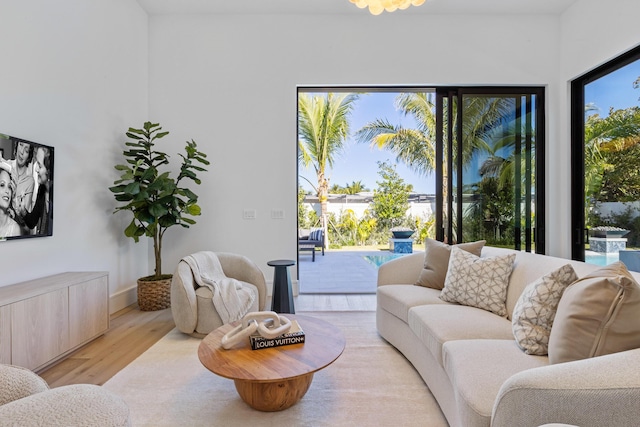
column 605, row 152
column 491, row 174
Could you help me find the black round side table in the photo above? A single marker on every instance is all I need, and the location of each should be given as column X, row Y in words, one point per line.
column 282, row 300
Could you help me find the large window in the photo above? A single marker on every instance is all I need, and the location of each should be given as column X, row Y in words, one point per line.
column 605, row 110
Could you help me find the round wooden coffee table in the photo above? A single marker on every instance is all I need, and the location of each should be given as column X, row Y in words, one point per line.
column 273, row 379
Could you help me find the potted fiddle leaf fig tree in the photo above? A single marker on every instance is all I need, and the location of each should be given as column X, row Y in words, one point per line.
column 157, row 201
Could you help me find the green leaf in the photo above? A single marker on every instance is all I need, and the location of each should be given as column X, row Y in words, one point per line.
column 132, row 188
column 132, row 134
column 117, row 188
column 142, row 196
column 149, row 174
column 194, row 210
column 157, row 210
column 123, row 197
column 142, row 214
column 133, row 231
column 167, row 221
column 189, row 194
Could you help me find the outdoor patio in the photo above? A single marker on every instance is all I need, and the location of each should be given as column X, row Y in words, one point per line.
column 340, row 271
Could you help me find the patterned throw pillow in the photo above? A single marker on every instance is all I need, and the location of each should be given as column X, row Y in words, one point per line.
column 316, row 235
column 436, row 261
column 478, row 282
column 536, row 308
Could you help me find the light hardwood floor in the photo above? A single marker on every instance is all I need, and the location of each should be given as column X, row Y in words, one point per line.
column 132, row 332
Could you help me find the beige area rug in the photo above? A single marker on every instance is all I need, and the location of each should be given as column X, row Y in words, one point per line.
column 371, row 384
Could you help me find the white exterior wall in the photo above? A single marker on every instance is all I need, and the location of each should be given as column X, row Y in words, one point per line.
column 417, row 210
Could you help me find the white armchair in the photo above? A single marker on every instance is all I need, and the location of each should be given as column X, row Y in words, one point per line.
column 26, row 400
column 192, row 305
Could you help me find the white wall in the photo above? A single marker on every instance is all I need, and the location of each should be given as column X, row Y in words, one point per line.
column 592, row 33
column 74, row 75
column 230, row 83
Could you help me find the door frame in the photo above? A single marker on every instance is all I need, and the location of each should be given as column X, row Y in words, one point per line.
column 578, row 230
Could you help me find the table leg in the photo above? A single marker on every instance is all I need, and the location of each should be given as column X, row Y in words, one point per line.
column 273, row 396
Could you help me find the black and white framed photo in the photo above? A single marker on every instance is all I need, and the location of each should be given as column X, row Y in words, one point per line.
column 26, row 188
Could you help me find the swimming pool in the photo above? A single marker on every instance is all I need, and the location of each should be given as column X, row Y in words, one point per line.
column 378, row 260
column 600, row 258
column 590, row 258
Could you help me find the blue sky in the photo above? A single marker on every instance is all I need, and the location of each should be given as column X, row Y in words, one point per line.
column 358, row 162
column 614, row 90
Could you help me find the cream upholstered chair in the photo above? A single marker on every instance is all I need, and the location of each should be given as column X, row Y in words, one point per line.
column 26, row 400
column 192, row 305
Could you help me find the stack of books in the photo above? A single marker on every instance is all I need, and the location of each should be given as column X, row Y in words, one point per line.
column 294, row 336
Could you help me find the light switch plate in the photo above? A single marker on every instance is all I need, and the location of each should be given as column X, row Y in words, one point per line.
column 277, row 214
column 249, row 214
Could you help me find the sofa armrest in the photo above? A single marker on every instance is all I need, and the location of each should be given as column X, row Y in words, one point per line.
column 242, row 268
column 600, row 391
column 184, row 305
column 404, row 270
column 17, row 382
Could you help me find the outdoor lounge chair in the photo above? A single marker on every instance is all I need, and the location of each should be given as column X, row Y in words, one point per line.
column 309, row 242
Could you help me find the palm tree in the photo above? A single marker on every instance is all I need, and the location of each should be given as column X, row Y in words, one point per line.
column 413, row 147
column 416, row 148
column 617, row 132
column 354, row 188
column 323, row 128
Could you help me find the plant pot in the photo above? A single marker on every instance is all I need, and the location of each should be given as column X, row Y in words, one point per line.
column 402, row 234
column 608, row 232
column 154, row 294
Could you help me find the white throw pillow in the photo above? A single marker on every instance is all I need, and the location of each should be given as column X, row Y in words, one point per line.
column 536, row 308
column 478, row 282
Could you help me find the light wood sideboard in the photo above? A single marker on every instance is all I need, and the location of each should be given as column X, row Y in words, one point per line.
column 44, row 319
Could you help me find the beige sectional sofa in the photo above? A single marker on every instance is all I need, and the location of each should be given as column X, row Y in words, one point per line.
column 480, row 376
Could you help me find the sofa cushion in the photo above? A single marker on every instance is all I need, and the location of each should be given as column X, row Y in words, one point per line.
column 477, row 369
column 598, row 314
column 478, row 282
column 535, row 310
column 434, row 325
column 436, row 261
column 528, row 267
column 398, row 299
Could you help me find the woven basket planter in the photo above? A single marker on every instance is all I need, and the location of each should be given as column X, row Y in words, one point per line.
column 154, row 294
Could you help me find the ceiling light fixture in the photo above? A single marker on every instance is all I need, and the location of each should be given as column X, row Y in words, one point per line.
column 376, row 7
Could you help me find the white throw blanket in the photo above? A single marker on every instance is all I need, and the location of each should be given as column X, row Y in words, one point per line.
column 230, row 298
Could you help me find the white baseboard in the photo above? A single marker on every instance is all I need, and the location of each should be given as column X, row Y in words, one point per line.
column 123, row 299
